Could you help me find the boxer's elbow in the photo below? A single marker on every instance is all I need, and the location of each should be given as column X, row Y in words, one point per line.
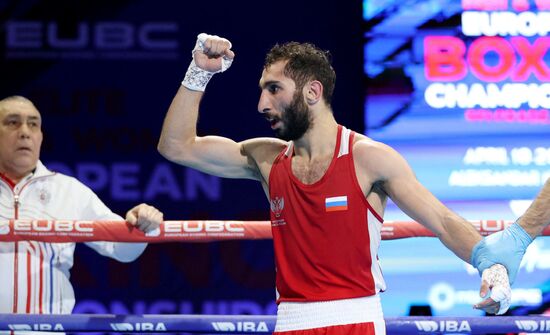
column 175, row 150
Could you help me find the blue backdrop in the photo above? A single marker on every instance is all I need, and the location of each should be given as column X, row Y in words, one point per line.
column 103, row 74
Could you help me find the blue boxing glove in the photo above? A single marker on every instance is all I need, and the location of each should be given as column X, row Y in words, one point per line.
column 505, row 247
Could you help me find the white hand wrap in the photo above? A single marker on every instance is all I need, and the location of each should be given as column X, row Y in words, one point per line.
column 196, row 78
column 497, row 278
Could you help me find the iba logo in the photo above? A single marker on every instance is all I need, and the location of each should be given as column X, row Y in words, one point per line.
column 36, row 326
column 246, row 326
column 532, row 325
column 443, row 326
column 138, row 326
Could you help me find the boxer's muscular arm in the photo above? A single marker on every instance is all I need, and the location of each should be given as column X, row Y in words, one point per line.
column 537, row 216
column 384, row 165
column 387, row 167
column 215, row 155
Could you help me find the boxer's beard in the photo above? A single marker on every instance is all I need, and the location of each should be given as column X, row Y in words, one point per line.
column 296, row 119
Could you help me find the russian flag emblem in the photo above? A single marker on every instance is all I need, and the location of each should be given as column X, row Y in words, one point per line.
column 334, row 204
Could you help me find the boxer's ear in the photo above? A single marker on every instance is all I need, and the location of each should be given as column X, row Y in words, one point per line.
column 313, row 92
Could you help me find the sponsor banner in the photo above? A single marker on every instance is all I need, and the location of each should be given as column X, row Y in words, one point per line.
column 140, row 323
column 462, row 90
column 191, row 231
column 260, row 324
column 121, row 231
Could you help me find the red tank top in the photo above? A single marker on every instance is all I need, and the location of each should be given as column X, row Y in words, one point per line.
column 326, row 235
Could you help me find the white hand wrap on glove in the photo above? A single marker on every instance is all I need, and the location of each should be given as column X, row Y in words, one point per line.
column 497, row 278
column 196, row 78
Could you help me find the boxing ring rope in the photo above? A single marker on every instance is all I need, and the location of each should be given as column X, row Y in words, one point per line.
column 190, row 231
column 61, row 231
column 258, row 324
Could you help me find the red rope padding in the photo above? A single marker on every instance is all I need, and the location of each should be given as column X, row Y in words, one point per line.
column 189, row 231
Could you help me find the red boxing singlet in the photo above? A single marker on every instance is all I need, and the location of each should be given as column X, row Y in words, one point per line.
column 326, row 235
